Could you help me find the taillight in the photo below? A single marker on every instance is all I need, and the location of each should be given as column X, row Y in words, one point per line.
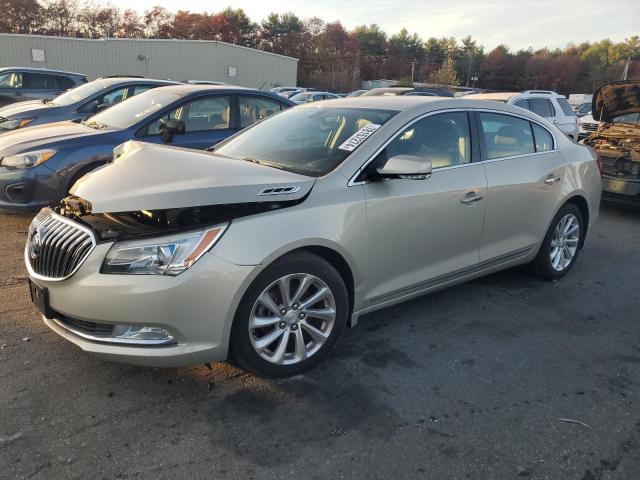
column 600, row 163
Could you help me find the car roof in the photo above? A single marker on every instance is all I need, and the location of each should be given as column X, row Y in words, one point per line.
column 42, row 70
column 493, row 96
column 418, row 105
column 133, row 80
column 184, row 89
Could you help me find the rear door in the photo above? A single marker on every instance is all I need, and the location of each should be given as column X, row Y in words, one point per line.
column 524, row 174
column 208, row 120
column 425, row 231
column 39, row 85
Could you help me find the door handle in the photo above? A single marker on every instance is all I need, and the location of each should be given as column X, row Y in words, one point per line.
column 471, row 198
column 19, row 94
column 551, row 179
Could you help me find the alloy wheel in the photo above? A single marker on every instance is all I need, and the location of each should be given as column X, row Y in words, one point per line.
column 564, row 243
column 292, row 318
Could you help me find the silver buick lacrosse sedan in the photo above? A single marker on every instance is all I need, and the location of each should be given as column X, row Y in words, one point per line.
column 264, row 248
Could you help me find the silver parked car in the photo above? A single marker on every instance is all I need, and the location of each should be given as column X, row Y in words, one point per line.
column 265, row 248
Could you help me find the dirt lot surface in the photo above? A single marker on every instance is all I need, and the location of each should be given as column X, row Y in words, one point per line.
column 468, row 383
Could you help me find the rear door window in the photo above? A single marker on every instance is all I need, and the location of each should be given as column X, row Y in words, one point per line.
column 542, row 107
column 37, row 81
column 255, row 108
column 506, row 135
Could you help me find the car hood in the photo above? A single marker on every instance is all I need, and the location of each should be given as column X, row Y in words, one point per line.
column 41, row 136
column 157, row 177
column 615, row 99
column 27, row 109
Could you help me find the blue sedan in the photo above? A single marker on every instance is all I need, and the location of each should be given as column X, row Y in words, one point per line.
column 76, row 104
column 39, row 164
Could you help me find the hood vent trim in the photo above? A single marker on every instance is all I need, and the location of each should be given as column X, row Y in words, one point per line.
column 286, row 190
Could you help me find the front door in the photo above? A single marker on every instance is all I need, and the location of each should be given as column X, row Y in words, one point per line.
column 423, row 232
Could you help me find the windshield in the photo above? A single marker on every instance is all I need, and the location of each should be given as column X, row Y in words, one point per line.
column 309, row 141
column 629, row 118
column 79, row 93
column 128, row 113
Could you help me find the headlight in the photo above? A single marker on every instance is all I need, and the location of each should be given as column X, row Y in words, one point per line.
column 169, row 255
column 15, row 123
column 27, row 160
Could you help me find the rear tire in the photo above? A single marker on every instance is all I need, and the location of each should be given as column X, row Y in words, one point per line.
column 290, row 317
column 561, row 244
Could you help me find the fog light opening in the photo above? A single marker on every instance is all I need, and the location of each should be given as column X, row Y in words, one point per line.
column 137, row 333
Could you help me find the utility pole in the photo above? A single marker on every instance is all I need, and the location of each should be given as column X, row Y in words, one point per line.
column 413, row 69
column 625, row 72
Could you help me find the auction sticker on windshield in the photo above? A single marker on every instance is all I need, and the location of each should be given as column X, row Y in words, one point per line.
column 360, row 136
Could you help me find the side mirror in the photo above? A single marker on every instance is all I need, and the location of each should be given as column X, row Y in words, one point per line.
column 170, row 128
column 406, row 166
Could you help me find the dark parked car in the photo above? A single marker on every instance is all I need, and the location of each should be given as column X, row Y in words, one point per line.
column 19, row 84
column 39, row 165
column 422, row 91
column 76, row 104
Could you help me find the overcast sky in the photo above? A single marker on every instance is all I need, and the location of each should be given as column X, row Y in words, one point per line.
column 517, row 23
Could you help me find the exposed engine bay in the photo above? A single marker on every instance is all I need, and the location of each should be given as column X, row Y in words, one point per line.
column 617, row 141
column 618, row 146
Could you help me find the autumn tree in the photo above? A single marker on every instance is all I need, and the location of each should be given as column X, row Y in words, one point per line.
column 20, row 16
column 157, row 22
column 131, row 25
column 446, row 74
column 60, row 17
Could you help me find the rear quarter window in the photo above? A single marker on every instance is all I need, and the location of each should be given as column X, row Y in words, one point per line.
column 564, row 105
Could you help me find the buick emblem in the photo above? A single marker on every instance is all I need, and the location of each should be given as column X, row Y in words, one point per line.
column 36, row 241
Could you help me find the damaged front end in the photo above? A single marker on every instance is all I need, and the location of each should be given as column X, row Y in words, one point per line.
column 617, row 140
column 147, row 223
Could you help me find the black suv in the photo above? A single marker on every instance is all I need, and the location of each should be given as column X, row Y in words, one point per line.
column 18, row 84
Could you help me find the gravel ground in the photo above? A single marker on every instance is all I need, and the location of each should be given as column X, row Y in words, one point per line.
column 467, row 383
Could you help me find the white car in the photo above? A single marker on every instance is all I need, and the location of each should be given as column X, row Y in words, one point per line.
column 282, row 90
column 550, row 105
column 588, row 125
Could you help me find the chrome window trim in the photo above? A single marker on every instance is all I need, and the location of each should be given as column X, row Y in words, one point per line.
column 352, row 181
column 72, row 224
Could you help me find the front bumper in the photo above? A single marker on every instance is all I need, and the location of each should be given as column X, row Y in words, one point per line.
column 197, row 307
column 28, row 189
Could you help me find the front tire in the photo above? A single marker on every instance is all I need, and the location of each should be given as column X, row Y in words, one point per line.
column 561, row 244
column 290, row 317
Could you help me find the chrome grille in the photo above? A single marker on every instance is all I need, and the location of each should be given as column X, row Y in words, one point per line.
column 589, row 127
column 56, row 246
